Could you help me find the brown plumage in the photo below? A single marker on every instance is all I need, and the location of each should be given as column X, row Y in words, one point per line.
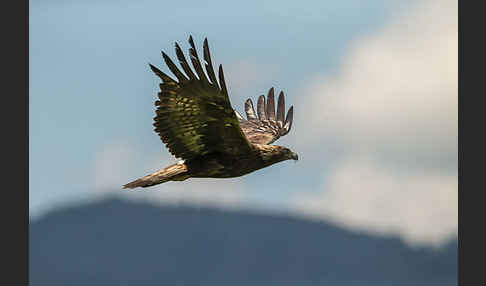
column 196, row 122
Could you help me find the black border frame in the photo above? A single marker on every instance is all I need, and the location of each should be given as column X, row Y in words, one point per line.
column 15, row 135
column 469, row 209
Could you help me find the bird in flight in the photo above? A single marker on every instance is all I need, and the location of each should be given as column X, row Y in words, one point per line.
column 196, row 122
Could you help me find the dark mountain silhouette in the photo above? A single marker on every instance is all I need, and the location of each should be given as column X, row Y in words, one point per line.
column 116, row 242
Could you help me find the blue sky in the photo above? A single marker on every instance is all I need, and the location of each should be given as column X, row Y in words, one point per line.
column 91, row 91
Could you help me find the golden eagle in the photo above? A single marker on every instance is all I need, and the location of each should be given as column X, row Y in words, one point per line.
column 195, row 120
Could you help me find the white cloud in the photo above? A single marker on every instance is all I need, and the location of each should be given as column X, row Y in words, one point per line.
column 397, row 91
column 421, row 208
column 393, row 102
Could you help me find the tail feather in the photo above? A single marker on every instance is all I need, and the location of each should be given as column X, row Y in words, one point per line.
column 175, row 172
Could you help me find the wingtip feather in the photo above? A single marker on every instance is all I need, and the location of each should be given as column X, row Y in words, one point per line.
column 289, row 119
column 250, row 110
column 270, row 110
column 222, row 82
column 281, row 109
column 209, row 64
column 261, row 107
column 196, row 63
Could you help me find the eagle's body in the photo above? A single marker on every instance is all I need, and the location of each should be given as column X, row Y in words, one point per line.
column 197, row 123
column 219, row 165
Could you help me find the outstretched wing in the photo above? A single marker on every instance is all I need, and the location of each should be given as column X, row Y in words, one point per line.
column 265, row 128
column 194, row 114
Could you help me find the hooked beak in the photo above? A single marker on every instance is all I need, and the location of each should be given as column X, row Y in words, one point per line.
column 295, row 156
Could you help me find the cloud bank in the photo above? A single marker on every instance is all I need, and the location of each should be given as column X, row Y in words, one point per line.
column 388, row 121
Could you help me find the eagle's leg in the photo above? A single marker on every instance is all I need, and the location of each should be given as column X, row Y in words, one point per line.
column 175, row 172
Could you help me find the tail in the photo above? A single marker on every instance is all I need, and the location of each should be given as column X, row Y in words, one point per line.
column 175, row 172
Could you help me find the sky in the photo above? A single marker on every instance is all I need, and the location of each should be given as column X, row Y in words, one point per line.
column 373, row 84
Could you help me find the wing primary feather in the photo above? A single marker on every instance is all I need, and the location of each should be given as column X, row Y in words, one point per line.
column 270, row 110
column 162, row 75
column 261, row 107
column 288, row 120
column 238, row 115
column 173, row 68
column 182, row 60
column 250, row 110
column 196, row 62
column 281, row 109
column 209, row 65
column 221, row 80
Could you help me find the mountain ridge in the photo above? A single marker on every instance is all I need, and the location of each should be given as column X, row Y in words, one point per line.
column 117, row 242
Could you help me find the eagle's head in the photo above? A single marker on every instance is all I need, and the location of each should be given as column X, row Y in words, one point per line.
column 272, row 154
column 289, row 155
